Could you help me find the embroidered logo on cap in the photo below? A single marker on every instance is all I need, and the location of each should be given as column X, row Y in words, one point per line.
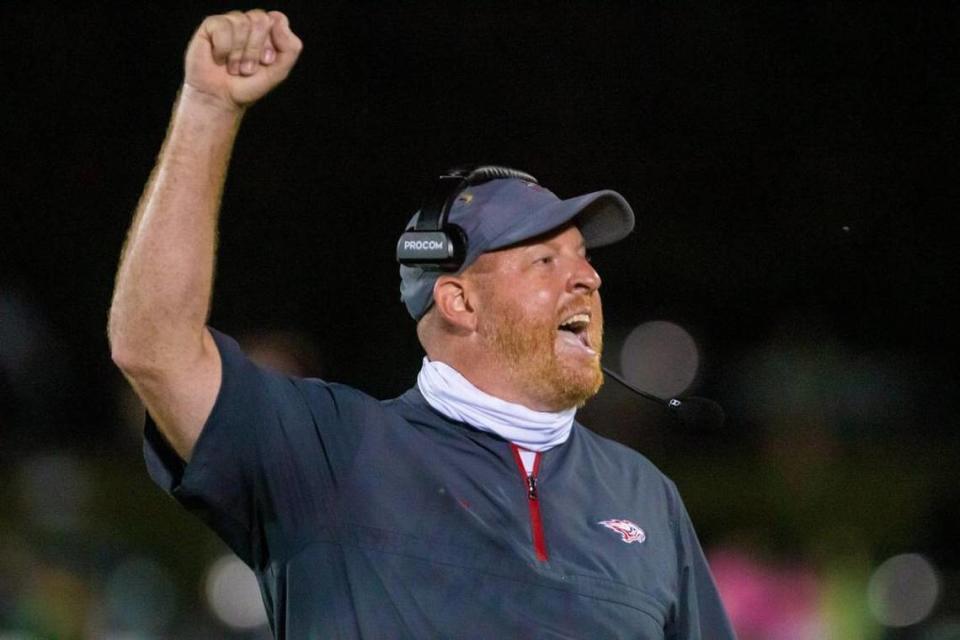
column 629, row 531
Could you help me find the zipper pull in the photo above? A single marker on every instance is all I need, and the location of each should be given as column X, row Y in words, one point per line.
column 532, row 487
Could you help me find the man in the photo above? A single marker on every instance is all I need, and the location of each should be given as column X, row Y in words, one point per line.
column 473, row 506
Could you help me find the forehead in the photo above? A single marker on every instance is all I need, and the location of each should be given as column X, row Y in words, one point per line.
column 565, row 238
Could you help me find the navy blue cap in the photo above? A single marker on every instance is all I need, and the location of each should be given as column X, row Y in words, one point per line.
column 506, row 211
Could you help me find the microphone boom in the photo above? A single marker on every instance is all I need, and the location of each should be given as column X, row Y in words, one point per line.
column 693, row 411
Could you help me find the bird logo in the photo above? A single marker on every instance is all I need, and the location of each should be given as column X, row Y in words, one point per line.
column 629, row 531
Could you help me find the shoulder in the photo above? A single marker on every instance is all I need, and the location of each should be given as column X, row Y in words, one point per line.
column 343, row 400
column 279, row 395
column 341, row 392
column 615, row 453
column 628, row 467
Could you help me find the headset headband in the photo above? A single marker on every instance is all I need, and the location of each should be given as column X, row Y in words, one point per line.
column 433, row 243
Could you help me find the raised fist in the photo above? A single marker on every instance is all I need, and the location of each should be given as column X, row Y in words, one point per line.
column 239, row 57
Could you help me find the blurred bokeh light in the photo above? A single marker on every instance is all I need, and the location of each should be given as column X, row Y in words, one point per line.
column 660, row 357
column 140, row 598
column 234, row 595
column 55, row 491
column 903, row 590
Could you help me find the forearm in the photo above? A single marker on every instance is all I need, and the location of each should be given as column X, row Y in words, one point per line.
column 164, row 282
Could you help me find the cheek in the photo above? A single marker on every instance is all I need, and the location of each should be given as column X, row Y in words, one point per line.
column 543, row 300
column 533, row 303
column 542, row 306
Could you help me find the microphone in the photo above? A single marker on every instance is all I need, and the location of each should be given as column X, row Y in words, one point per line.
column 690, row 412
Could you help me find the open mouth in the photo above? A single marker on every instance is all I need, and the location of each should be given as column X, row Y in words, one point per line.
column 574, row 331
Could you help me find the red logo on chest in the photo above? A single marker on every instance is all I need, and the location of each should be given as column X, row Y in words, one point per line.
column 629, row 531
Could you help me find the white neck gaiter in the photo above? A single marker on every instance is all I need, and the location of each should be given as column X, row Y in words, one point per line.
column 454, row 396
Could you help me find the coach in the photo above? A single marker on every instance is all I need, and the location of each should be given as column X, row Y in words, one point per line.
column 472, row 506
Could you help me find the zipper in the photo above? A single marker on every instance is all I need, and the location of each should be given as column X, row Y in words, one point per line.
column 533, row 501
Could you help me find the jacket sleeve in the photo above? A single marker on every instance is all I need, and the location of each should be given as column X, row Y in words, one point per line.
column 265, row 461
column 699, row 612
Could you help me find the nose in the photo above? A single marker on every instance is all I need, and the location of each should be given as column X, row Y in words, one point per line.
column 584, row 278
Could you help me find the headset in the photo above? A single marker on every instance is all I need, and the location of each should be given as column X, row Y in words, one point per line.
column 434, row 244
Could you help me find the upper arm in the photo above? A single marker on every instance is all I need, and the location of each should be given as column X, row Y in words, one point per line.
column 264, row 447
column 180, row 399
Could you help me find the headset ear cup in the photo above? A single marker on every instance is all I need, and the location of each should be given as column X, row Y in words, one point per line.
column 458, row 239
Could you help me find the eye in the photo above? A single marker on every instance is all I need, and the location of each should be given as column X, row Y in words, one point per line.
column 544, row 260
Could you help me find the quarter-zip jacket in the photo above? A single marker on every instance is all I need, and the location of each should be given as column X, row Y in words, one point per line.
column 370, row 519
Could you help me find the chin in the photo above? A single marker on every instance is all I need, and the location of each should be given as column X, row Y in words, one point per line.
column 579, row 386
column 577, row 381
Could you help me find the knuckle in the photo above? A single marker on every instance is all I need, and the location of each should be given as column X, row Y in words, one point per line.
column 235, row 20
column 258, row 18
column 278, row 19
column 214, row 24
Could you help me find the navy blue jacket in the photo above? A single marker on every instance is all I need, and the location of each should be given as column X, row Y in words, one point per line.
column 370, row 519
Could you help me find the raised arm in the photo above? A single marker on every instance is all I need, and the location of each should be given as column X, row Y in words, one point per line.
column 164, row 283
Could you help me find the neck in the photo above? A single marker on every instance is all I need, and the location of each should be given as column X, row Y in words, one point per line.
column 450, row 393
column 493, row 378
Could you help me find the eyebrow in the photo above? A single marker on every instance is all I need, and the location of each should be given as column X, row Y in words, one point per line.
column 581, row 246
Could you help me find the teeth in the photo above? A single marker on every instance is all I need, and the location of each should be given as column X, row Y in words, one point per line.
column 580, row 318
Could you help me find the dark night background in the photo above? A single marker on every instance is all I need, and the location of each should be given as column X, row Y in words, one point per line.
column 792, row 166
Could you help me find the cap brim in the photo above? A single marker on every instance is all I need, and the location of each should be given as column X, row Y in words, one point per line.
column 603, row 217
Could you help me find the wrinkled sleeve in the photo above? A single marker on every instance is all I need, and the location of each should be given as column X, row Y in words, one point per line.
column 699, row 613
column 265, row 459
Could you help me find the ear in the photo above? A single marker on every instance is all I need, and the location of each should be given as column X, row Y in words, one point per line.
column 453, row 302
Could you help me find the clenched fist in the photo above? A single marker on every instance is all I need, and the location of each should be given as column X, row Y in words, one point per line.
column 238, row 57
